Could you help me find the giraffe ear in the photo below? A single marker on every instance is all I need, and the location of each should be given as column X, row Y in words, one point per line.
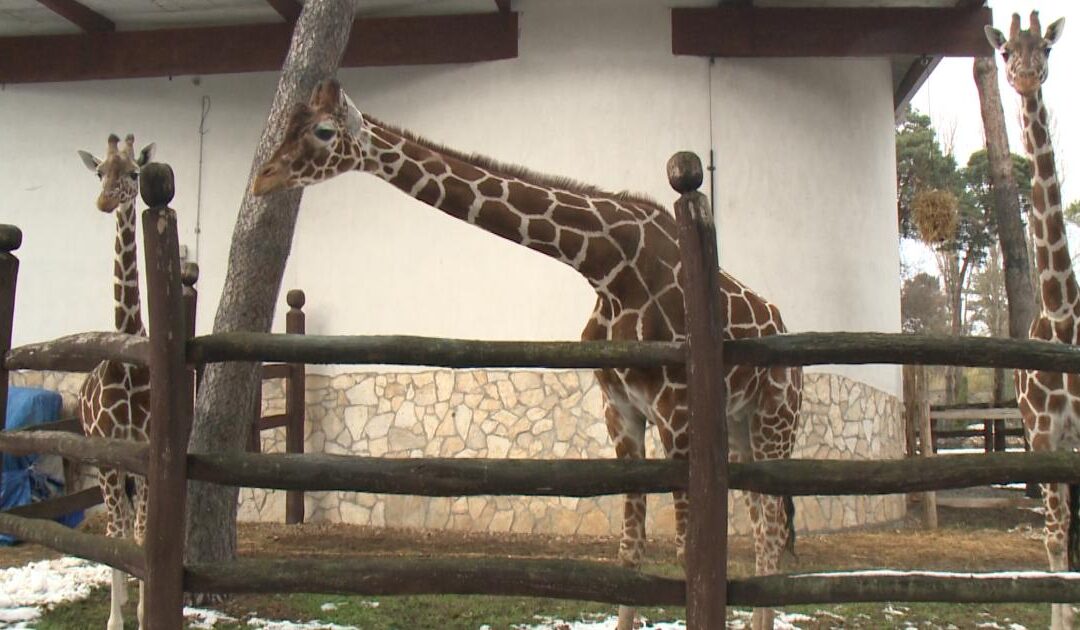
column 90, row 161
column 354, row 120
column 995, row 37
column 1053, row 32
column 146, row 155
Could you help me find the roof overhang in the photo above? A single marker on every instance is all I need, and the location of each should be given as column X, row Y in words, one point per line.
column 914, row 38
column 71, row 40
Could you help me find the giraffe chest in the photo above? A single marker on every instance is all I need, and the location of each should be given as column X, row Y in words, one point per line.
column 114, row 401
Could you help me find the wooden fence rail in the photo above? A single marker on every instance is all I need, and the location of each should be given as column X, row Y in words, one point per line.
column 120, row 554
column 80, row 352
column 125, row 454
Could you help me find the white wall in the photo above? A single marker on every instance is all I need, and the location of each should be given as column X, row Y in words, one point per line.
column 804, row 150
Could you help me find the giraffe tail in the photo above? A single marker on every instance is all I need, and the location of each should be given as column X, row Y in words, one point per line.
column 1074, row 527
column 789, row 509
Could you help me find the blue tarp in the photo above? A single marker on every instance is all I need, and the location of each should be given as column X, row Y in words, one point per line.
column 21, row 482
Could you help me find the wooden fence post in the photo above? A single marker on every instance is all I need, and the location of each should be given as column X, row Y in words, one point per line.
column 706, row 536
column 917, row 414
column 295, row 324
column 170, row 405
column 10, row 240
column 189, row 275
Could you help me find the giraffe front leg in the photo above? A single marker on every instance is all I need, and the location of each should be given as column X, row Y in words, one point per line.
column 140, row 537
column 117, row 506
column 629, row 438
column 1056, row 501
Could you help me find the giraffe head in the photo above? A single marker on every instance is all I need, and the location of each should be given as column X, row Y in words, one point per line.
column 118, row 172
column 1026, row 52
column 324, row 137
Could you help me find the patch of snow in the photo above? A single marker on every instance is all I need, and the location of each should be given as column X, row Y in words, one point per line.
column 204, row 617
column 265, row 624
column 889, row 611
column 328, row 606
column 26, row 590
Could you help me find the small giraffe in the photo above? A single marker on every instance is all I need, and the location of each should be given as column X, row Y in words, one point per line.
column 114, row 402
column 1049, row 401
column 625, row 246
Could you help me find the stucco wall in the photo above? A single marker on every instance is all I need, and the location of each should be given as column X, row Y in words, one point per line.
column 803, row 151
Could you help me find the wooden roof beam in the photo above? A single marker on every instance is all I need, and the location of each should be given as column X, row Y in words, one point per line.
column 418, row 40
column 503, row 5
column 744, row 31
column 80, row 15
column 289, row 10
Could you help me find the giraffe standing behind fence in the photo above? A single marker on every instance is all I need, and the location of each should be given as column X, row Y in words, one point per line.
column 114, row 401
column 626, row 248
column 1049, row 401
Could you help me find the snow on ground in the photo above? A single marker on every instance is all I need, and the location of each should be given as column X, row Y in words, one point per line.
column 25, row 591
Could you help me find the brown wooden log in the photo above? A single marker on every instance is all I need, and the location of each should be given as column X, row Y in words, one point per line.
column 79, row 353
column 791, row 349
column 274, row 370
column 68, row 425
column 706, row 531
column 566, row 579
column 170, row 404
column 123, row 454
column 592, row 581
column 438, row 476
column 59, row 506
column 114, row 552
column 537, row 477
column 905, row 586
column 295, row 411
column 814, row 348
column 10, row 240
column 409, row 350
column 266, row 423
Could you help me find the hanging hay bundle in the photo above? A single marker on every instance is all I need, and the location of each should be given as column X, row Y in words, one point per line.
column 934, row 213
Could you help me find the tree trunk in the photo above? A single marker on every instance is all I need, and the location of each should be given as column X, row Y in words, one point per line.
column 1019, row 286
column 1014, row 252
column 260, row 246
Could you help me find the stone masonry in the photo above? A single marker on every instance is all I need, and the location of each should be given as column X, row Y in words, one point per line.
column 531, row 414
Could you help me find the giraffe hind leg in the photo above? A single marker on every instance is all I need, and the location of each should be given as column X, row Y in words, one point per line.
column 119, row 525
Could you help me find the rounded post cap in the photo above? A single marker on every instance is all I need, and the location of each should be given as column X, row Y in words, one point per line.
column 10, row 238
column 156, row 184
column 295, row 298
column 684, row 172
column 189, row 274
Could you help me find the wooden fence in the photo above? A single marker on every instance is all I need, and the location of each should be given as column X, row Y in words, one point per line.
column 707, row 475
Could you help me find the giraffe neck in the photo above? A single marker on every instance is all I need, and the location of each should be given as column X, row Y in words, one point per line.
column 596, row 233
column 126, row 273
column 1057, row 282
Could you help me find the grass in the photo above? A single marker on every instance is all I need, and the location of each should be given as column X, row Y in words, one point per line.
column 969, row 540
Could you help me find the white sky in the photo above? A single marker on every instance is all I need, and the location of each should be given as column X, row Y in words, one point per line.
column 950, row 98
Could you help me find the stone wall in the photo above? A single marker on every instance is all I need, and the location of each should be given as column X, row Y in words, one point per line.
column 535, row 414
column 543, row 414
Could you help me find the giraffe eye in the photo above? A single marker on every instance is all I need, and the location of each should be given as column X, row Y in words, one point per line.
column 325, row 132
column 1005, row 55
column 134, row 175
column 99, row 175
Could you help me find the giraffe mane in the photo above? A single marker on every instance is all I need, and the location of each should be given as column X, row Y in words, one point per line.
column 522, row 173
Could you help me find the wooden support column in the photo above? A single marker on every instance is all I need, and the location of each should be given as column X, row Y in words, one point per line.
column 189, row 275
column 170, row 405
column 706, row 537
column 10, row 240
column 295, row 324
column 917, row 415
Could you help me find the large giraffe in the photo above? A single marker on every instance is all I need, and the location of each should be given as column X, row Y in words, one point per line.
column 625, row 246
column 114, row 402
column 1049, row 401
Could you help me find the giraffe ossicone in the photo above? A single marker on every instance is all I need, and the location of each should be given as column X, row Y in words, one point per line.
column 625, row 246
column 114, row 401
column 1049, row 402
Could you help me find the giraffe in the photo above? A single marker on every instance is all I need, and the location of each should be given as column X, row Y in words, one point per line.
column 114, row 401
column 625, row 246
column 1049, row 401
